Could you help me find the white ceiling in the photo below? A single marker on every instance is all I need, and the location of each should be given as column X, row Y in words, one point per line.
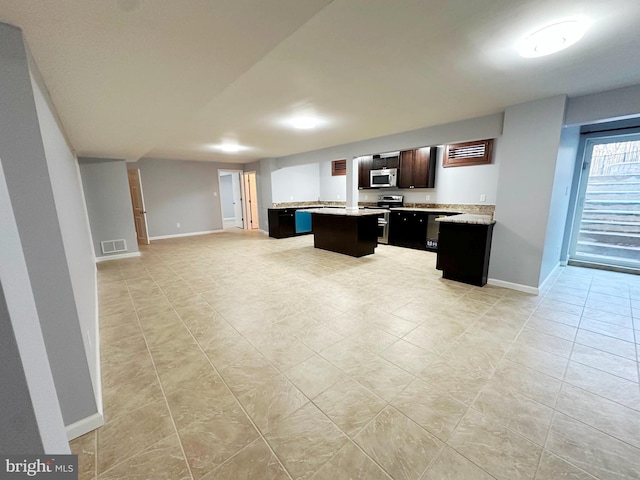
column 169, row 79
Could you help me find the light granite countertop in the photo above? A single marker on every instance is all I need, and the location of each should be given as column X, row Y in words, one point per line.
column 296, row 206
column 468, row 218
column 426, row 210
column 361, row 212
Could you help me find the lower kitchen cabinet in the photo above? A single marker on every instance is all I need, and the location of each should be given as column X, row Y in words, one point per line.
column 463, row 252
column 417, row 230
column 282, row 222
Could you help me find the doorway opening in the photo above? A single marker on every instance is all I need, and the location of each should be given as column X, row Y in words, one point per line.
column 231, row 199
column 606, row 229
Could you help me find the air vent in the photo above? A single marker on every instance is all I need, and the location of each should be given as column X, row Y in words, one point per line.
column 338, row 167
column 469, row 153
column 113, row 246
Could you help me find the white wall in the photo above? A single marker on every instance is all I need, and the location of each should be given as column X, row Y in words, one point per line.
column 332, row 188
column 528, row 155
column 297, row 183
column 604, row 106
column 226, row 196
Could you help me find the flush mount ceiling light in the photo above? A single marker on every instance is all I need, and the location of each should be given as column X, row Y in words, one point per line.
column 230, row 147
column 304, row 122
column 552, row 38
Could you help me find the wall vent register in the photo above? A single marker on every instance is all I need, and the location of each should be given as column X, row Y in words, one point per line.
column 113, row 246
column 468, row 153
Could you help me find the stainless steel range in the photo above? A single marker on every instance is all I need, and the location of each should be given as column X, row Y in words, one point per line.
column 387, row 201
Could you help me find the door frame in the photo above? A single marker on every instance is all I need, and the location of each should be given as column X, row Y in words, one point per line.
column 255, row 204
column 242, row 196
column 585, row 152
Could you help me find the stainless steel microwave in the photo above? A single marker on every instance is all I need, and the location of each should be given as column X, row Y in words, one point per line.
column 386, row 177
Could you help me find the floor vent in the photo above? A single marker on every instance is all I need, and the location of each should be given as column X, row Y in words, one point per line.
column 114, row 246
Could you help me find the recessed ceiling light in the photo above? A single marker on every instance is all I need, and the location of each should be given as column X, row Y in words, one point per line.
column 304, row 123
column 230, row 147
column 552, row 38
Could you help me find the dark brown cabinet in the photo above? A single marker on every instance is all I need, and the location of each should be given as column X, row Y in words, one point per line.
column 463, row 252
column 364, row 172
column 417, row 168
column 385, row 162
column 282, row 222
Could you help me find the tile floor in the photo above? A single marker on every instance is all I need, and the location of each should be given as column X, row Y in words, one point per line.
column 237, row 356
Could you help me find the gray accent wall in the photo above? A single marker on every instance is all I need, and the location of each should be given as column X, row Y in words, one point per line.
column 24, row 148
column 180, row 191
column 296, row 183
column 615, row 104
column 528, row 156
column 108, row 200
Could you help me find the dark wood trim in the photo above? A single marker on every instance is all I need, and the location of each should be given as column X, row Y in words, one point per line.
column 468, row 161
column 338, row 167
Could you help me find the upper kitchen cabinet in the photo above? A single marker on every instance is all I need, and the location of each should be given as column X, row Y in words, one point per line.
column 390, row 160
column 364, row 172
column 417, row 168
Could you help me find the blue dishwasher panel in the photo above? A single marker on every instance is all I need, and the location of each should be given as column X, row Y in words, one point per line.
column 303, row 221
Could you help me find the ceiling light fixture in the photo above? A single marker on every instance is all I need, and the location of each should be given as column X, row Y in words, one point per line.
column 230, row 147
column 552, row 38
column 304, row 123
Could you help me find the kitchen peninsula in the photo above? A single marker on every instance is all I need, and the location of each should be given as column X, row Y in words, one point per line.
column 341, row 230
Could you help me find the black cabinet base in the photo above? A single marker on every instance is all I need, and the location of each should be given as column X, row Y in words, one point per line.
column 354, row 235
column 463, row 252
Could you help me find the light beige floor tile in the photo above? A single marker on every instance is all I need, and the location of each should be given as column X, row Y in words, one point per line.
column 314, row 376
column 525, row 381
column 408, row 356
column 117, row 441
column 592, row 450
column 254, row 461
column 545, row 342
column 210, row 441
column 455, row 378
column 553, row 468
column 604, row 384
column 608, row 329
column 349, row 405
column 606, row 343
column 496, row 449
column 383, row 378
column 162, row 461
column 432, row 410
column 399, row 445
column 350, row 463
column 617, row 309
column 272, row 401
column 348, row 356
column 544, row 362
column 609, row 417
column 552, row 328
column 373, row 339
column 607, row 362
column 305, row 440
column 515, row 411
column 558, row 316
column 450, row 465
column 85, row 448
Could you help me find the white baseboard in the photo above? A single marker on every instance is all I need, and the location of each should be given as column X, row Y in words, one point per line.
column 190, row 234
column 545, row 282
column 229, row 218
column 513, row 286
column 85, row 425
column 117, row 257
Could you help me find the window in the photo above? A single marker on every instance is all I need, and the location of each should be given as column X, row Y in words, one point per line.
column 338, row 167
column 468, row 153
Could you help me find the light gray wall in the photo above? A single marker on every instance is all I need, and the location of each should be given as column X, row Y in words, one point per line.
column 331, row 188
column 34, row 204
column 296, row 183
column 453, row 185
column 604, row 106
column 527, row 155
column 108, row 199
column 178, row 191
column 226, row 196
column 560, row 200
column 18, row 424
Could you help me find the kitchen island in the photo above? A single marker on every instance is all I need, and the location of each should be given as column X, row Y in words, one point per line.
column 340, row 230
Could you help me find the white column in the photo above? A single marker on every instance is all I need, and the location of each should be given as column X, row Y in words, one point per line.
column 352, row 184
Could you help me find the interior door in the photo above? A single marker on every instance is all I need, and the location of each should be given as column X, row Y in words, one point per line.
column 137, row 202
column 237, row 199
column 251, row 200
